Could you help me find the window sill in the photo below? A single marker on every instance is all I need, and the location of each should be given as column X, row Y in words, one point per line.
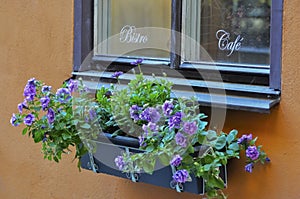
column 246, row 97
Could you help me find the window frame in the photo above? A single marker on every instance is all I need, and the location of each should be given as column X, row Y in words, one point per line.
column 247, row 76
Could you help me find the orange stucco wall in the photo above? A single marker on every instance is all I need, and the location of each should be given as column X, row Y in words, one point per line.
column 36, row 39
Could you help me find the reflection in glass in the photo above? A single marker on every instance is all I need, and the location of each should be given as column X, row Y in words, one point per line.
column 231, row 31
column 122, row 23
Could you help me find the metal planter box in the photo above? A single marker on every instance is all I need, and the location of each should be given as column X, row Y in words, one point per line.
column 109, row 148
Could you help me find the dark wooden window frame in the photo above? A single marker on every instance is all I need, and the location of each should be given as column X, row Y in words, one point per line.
column 250, row 89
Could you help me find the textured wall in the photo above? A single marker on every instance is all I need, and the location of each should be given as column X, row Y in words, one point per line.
column 36, row 41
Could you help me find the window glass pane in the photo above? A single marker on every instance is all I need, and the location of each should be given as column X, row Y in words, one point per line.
column 120, row 27
column 231, row 31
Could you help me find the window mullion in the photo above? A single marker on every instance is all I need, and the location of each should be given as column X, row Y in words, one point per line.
column 176, row 26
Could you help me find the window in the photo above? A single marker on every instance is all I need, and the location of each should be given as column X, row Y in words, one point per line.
column 234, row 43
column 232, row 32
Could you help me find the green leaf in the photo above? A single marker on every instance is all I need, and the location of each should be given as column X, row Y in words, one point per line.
column 216, row 181
column 202, row 125
column 148, row 166
column 207, row 167
column 85, row 126
column 231, row 136
column 24, row 131
column 164, row 159
column 221, row 142
column 188, row 160
column 150, row 148
column 190, row 149
column 211, row 135
column 66, row 136
column 230, row 152
column 234, row 147
column 252, row 142
column 168, row 137
column 38, row 136
column 75, row 122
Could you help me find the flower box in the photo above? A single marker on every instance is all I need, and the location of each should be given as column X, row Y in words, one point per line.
column 170, row 132
column 109, row 147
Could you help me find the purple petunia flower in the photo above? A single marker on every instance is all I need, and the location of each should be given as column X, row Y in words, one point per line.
column 150, row 126
column 45, row 138
column 120, row 163
column 117, row 74
column 31, row 81
column 45, row 102
column 21, row 106
column 268, row 159
column 14, row 120
column 137, row 62
column 180, row 139
column 190, row 127
column 181, row 176
column 92, row 114
column 176, row 161
column 167, row 108
column 72, row 85
column 252, row 152
column 29, row 119
column 150, row 115
column 134, row 112
column 249, row 167
column 142, row 141
column 30, row 90
column 46, row 89
column 145, row 115
column 175, row 120
column 51, row 115
column 245, row 139
column 63, row 95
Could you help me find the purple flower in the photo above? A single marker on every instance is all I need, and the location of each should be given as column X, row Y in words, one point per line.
column 46, row 89
column 180, row 139
column 21, row 106
column 134, row 112
column 190, row 127
column 51, row 115
column 29, row 119
column 142, row 141
column 137, row 62
column 150, row 126
column 45, row 102
column 181, row 176
column 72, row 85
column 245, row 139
column 252, row 152
column 14, row 120
column 150, row 115
column 31, row 81
column 63, row 95
column 249, row 167
column 176, row 161
column 175, row 120
column 30, row 90
column 120, row 163
column 117, row 74
column 92, row 114
column 167, row 108
column 45, row 138
column 268, row 159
